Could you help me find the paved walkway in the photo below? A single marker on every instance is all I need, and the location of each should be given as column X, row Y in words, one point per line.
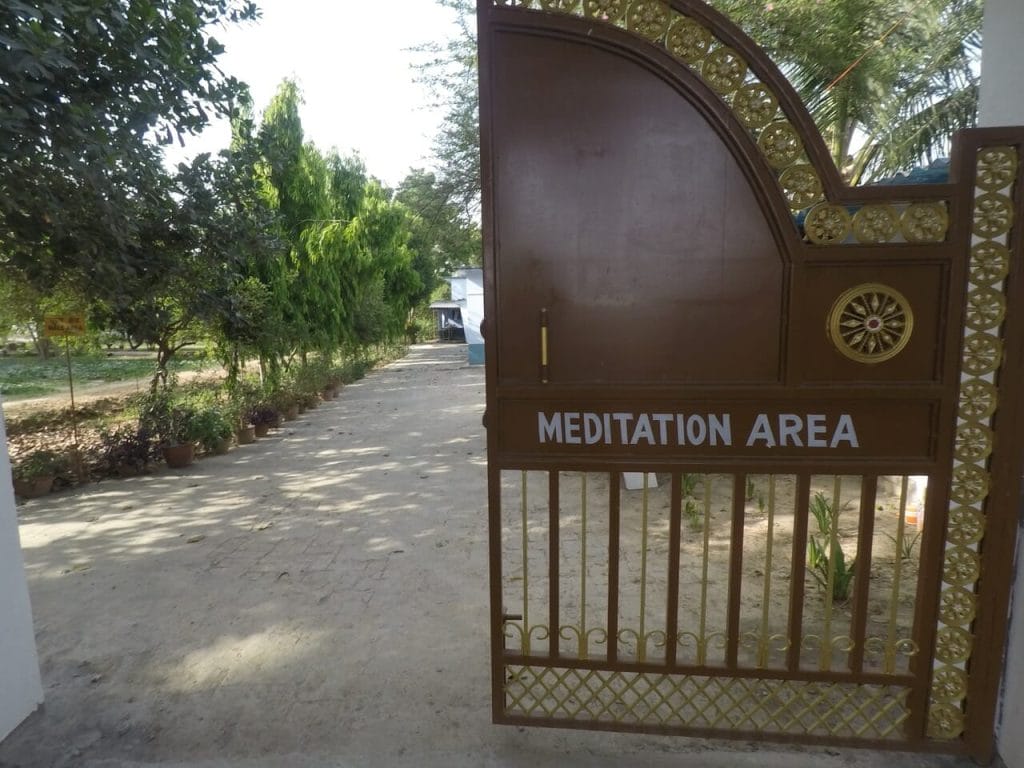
column 316, row 599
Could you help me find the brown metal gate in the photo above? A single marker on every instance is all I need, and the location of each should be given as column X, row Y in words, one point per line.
column 749, row 474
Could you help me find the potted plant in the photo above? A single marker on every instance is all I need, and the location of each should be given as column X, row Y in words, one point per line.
column 174, row 424
column 263, row 416
column 128, row 450
column 213, row 428
column 34, row 474
column 179, row 444
column 287, row 404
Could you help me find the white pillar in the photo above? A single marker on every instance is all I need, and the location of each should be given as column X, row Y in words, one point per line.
column 20, row 688
column 1002, row 72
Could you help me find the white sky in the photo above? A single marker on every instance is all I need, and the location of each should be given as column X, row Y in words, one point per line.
column 351, row 61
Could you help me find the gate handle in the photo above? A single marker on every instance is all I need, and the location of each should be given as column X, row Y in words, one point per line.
column 544, row 346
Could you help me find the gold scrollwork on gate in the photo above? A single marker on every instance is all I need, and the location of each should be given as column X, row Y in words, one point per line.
column 649, row 18
column 986, row 308
column 973, row 442
column 689, row 41
column 874, row 224
column 997, row 168
column 957, row 607
column 605, row 10
column 966, row 526
column 982, row 354
column 827, row 223
column 990, row 263
column 801, row 186
column 970, row 484
column 870, row 323
column 924, row 222
column 754, row 104
column 977, row 400
column 724, row 70
column 993, row 215
column 780, row 144
column 981, row 358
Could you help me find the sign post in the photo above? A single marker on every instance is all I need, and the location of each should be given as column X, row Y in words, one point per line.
column 66, row 326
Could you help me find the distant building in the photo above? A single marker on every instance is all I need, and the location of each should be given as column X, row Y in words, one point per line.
column 448, row 321
column 468, row 296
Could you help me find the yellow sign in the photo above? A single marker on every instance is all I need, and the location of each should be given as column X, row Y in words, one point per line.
column 64, row 325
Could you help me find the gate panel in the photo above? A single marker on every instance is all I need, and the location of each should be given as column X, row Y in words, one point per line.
column 692, row 575
column 607, row 124
column 751, row 474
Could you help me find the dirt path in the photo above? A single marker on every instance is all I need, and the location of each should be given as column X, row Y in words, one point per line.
column 316, row 599
column 91, row 392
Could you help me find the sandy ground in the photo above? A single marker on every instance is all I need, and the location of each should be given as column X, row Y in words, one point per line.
column 316, row 599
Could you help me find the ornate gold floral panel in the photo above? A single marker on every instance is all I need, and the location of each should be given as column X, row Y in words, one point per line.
column 751, row 456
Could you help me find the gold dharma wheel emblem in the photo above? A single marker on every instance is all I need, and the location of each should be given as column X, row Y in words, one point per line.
column 870, row 323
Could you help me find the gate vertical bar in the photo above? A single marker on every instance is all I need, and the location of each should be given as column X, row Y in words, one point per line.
column 497, row 598
column 702, row 642
column 763, row 642
column 862, row 579
column 613, row 566
column 584, row 644
column 524, row 509
column 553, row 579
column 890, row 632
column 825, row 649
column 735, row 570
column 674, row 536
column 796, row 585
column 641, row 643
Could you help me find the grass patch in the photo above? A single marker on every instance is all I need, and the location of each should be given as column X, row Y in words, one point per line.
column 24, row 377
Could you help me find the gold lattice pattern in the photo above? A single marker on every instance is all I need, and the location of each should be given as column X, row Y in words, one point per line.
column 689, row 701
column 756, row 107
column 981, row 358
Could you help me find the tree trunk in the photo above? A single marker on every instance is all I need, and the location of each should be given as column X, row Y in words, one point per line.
column 164, row 353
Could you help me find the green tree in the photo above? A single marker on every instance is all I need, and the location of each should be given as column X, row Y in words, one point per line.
column 166, row 304
column 85, row 87
column 23, row 306
column 344, row 275
column 441, row 236
column 449, row 71
column 887, row 81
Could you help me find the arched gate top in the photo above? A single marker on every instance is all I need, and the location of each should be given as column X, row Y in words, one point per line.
column 763, row 102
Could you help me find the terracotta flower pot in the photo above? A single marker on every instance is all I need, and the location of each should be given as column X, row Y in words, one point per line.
column 245, row 435
column 291, row 413
column 327, row 394
column 220, row 447
column 262, row 429
column 178, row 456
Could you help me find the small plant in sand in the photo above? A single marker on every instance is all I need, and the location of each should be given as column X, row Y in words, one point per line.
column 691, row 510
column 905, row 547
column 694, row 519
column 826, row 561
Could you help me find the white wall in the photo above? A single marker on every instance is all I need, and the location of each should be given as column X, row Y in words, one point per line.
column 20, row 689
column 1002, row 72
column 1002, row 63
column 474, row 307
column 458, row 284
